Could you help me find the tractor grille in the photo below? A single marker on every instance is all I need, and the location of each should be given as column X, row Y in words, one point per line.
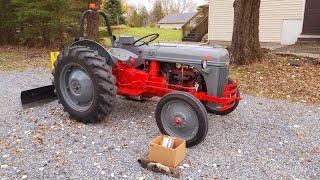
column 222, row 80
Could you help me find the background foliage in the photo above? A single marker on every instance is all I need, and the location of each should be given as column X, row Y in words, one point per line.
column 39, row 23
column 56, row 22
column 114, row 9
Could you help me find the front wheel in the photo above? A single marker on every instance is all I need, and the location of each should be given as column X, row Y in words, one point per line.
column 181, row 115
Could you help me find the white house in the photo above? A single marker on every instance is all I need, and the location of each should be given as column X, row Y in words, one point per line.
column 281, row 21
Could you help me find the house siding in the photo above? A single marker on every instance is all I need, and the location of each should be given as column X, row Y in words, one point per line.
column 273, row 13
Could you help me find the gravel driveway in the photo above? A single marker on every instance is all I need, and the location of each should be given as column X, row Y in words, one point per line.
column 263, row 139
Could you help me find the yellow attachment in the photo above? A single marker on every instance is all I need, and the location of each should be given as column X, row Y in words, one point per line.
column 53, row 58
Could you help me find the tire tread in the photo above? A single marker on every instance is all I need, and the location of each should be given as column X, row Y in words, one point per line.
column 103, row 80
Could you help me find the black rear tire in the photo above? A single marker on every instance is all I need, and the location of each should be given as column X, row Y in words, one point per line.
column 193, row 105
column 213, row 110
column 103, row 83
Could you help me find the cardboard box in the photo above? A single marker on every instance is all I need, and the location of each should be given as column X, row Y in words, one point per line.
column 168, row 157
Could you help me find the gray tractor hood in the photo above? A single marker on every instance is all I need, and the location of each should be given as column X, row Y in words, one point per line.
column 187, row 54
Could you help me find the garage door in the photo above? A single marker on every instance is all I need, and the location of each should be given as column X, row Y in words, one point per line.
column 311, row 24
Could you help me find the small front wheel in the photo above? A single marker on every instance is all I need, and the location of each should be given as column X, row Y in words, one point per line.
column 181, row 115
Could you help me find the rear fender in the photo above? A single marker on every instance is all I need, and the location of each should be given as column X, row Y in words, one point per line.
column 93, row 45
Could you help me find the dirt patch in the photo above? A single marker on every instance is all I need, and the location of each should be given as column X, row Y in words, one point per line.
column 19, row 58
column 278, row 77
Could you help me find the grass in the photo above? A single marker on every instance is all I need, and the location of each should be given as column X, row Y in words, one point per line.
column 166, row 35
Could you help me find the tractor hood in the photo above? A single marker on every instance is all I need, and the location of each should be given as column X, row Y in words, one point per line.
column 187, row 54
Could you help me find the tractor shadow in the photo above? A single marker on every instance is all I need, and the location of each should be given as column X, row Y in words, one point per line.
column 132, row 110
column 40, row 103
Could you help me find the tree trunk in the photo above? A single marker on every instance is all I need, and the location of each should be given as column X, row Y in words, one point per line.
column 93, row 23
column 245, row 47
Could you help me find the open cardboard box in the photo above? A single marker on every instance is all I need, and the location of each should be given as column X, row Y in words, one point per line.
column 166, row 156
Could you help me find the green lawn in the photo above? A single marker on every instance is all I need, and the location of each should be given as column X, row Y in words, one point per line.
column 166, row 35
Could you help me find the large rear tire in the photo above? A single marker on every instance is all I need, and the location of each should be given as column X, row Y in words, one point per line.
column 181, row 115
column 84, row 84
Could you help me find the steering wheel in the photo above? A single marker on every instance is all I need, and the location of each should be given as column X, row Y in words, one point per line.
column 152, row 37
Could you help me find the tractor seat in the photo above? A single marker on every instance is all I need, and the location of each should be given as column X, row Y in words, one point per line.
column 121, row 54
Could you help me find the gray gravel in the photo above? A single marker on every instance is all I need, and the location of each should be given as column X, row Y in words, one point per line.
column 264, row 139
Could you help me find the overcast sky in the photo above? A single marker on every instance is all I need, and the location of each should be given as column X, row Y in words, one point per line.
column 148, row 5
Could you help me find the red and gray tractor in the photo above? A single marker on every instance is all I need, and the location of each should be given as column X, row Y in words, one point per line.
column 191, row 81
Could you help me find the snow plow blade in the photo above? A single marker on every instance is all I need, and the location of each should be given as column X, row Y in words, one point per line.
column 38, row 94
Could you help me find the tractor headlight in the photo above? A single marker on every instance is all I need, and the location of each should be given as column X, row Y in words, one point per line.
column 204, row 64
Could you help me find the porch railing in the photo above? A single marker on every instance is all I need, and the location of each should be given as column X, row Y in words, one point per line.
column 197, row 26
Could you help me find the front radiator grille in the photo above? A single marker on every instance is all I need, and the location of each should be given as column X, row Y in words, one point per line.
column 222, row 80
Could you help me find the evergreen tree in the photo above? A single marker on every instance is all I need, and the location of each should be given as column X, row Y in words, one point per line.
column 157, row 13
column 39, row 23
column 115, row 11
column 144, row 17
column 134, row 19
column 8, row 22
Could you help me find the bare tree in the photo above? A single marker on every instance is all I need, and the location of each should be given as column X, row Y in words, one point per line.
column 186, row 5
column 177, row 6
column 245, row 46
